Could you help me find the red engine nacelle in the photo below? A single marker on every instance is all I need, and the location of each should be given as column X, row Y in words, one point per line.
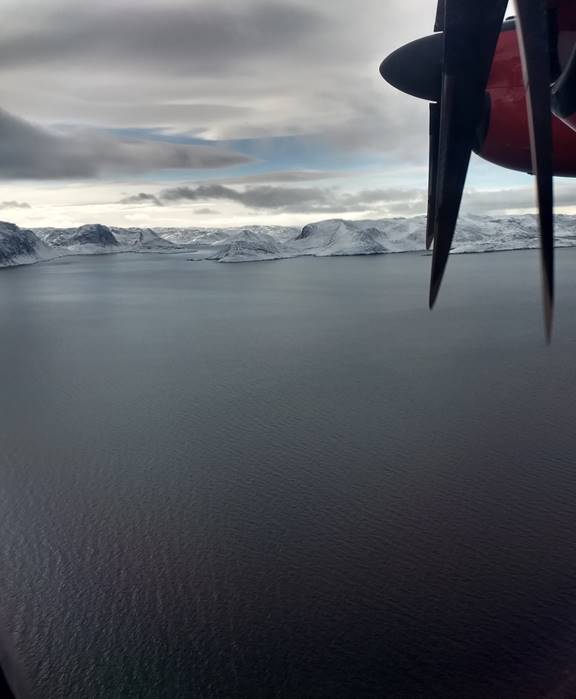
column 505, row 138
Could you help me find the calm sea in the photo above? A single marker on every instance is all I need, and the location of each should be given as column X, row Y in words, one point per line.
column 287, row 479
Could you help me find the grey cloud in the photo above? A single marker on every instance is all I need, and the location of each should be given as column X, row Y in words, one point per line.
column 30, row 152
column 285, row 176
column 282, row 68
column 282, row 199
column 384, row 202
column 14, row 205
column 187, row 37
column 126, row 112
column 142, row 198
column 207, row 210
column 371, row 196
column 258, row 197
column 377, row 119
column 517, row 199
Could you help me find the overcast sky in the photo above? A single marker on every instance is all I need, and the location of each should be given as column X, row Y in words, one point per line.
column 225, row 112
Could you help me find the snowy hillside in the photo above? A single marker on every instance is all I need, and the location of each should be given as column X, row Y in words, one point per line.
column 473, row 234
column 88, row 238
column 213, row 236
column 141, row 238
column 339, row 237
column 248, row 245
column 335, row 237
column 19, row 246
column 98, row 239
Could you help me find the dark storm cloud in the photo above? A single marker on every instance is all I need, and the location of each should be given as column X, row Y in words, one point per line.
column 30, row 152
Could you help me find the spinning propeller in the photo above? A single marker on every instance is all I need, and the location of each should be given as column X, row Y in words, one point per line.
column 451, row 69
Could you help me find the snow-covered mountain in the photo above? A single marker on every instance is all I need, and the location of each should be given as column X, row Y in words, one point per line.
column 19, row 246
column 98, row 239
column 89, row 238
column 339, row 237
column 247, row 246
column 141, row 238
column 214, row 236
column 473, row 234
column 335, row 237
column 493, row 234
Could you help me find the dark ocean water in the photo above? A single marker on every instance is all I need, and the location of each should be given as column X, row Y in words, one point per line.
column 287, row 479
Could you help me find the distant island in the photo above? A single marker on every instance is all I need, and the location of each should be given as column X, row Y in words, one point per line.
column 335, row 237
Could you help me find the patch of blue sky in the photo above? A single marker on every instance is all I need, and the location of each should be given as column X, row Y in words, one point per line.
column 285, row 153
column 268, row 154
column 485, row 175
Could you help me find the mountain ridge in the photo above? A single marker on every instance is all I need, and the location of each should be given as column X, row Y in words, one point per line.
column 326, row 238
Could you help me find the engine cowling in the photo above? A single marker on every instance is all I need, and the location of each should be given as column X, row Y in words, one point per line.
column 504, row 136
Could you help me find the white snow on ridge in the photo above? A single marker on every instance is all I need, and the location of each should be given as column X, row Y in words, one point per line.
column 335, row 237
column 212, row 236
column 19, row 246
column 339, row 237
column 141, row 239
column 249, row 246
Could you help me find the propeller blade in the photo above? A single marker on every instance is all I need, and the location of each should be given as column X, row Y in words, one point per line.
column 471, row 31
column 432, row 172
column 532, row 19
column 440, row 15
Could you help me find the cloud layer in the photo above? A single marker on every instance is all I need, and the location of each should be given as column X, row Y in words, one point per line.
column 108, row 95
column 30, row 152
column 277, row 199
column 329, row 200
column 244, row 69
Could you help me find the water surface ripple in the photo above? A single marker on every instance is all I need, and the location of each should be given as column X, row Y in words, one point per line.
column 288, row 479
